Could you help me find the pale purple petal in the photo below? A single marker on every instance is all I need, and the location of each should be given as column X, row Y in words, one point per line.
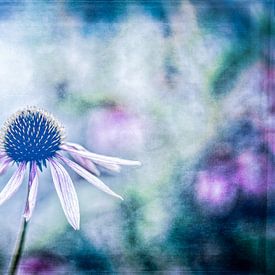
column 88, row 164
column 96, row 157
column 14, row 183
column 33, row 186
column 66, row 193
column 75, row 146
column 2, row 154
column 110, row 166
column 4, row 165
column 89, row 177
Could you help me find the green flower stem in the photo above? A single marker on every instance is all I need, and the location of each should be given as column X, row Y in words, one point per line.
column 18, row 251
column 18, row 248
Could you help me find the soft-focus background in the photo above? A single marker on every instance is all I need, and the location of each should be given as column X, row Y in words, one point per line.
column 186, row 87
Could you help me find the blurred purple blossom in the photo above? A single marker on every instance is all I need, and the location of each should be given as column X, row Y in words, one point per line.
column 43, row 263
column 216, row 187
column 250, row 172
column 115, row 129
column 254, row 172
column 229, row 170
column 215, row 190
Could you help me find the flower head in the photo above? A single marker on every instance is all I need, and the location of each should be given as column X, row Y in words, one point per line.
column 33, row 137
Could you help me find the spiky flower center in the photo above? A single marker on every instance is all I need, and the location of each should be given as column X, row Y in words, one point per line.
column 31, row 135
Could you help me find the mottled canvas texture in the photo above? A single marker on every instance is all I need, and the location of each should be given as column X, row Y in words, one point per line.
column 184, row 88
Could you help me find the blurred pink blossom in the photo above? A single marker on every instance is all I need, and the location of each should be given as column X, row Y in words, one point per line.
column 115, row 129
column 215, row 191
column 254, row 172
column 43, row 263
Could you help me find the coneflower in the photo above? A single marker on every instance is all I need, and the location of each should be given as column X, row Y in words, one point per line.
column 34, row 138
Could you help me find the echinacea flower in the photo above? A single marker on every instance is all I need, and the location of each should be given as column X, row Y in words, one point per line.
column 34, row 137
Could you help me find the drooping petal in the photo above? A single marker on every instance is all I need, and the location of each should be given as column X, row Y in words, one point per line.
column 66, row 193
column 96, row 157
column 14, row 183
column 89, row 177
column 75, row 146
column 4, row 165
column 88, row 164
column 2, row 154
column 110, row 166
column 33, row 186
